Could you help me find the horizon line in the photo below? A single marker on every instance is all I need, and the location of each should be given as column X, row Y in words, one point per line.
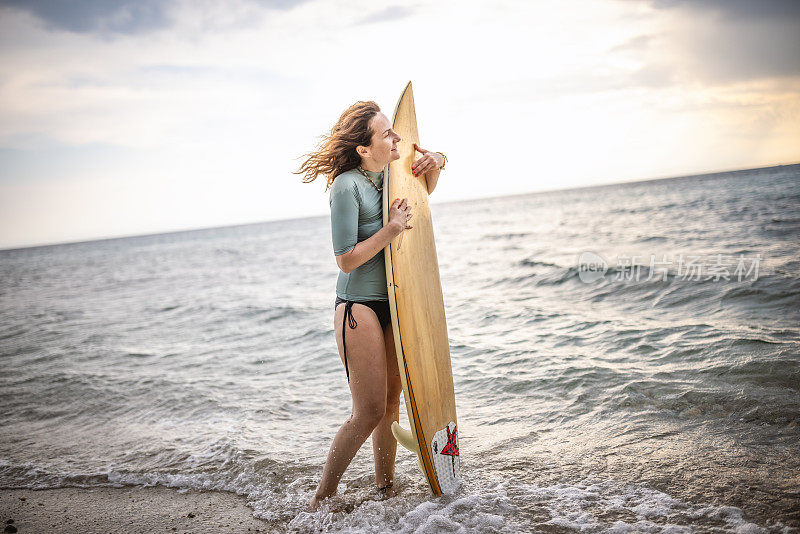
column 606, row 184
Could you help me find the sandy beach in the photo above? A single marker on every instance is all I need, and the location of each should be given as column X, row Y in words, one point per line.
column 132, row 509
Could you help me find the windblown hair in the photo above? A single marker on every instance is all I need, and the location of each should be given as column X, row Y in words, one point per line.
column 337, row 151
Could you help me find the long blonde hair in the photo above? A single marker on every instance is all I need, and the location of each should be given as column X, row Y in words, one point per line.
column 337, row 151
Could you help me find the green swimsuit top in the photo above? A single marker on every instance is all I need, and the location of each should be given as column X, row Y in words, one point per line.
column 356, row 214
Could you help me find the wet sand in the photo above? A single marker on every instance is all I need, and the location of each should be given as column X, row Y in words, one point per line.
column 123, row 510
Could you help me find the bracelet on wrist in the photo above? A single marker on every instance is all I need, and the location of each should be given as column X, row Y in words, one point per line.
column 445, row 161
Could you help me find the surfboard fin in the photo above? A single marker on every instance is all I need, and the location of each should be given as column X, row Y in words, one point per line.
column 405, row 438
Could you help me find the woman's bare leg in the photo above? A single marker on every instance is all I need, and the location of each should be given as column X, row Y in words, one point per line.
column 384, row 446
column 366, row 360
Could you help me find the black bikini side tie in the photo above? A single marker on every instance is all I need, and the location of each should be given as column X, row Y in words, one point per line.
column 348, row 316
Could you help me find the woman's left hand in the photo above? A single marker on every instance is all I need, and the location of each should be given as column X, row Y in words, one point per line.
column 428, row 162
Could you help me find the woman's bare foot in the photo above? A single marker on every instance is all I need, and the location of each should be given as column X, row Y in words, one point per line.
column 331, row 504
column 313, row 505
column 386, row 492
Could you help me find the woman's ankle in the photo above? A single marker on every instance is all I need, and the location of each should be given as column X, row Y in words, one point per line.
column 315, row 501
column 387, row 490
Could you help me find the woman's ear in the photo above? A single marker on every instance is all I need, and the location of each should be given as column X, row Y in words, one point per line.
column 362, row 151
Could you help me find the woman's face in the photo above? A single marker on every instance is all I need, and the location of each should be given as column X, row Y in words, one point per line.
column 384, row 142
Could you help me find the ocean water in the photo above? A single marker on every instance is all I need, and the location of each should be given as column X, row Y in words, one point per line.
column 616, row 397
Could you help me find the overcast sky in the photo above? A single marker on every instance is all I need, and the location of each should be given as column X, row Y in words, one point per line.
column 125, row 117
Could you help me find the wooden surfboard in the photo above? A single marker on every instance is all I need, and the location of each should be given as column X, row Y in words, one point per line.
column 418, row 319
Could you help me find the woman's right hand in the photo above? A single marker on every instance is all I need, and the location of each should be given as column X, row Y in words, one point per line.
column 400, row 214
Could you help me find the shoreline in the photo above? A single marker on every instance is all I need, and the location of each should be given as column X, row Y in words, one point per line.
column 129, row 509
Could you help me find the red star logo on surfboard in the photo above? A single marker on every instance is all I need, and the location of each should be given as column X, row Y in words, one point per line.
column 451, row 449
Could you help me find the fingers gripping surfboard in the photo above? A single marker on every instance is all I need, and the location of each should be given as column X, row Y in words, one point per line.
column 418, row 318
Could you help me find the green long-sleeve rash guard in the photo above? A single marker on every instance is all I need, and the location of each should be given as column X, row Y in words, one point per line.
column 356, row 214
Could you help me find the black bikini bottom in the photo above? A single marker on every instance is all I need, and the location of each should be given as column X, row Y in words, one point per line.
column 381, row 309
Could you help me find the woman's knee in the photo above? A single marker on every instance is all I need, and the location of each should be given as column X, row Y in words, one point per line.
column 371, row 412
column 393, row 399
column 394, row 387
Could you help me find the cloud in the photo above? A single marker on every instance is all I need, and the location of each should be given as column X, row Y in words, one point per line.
column 391, row 13
column 739, row 9
column 740, row 50
column 127, row 17
column 104, row 16
column 635, row 44
column 719, row 42
column 653, row 75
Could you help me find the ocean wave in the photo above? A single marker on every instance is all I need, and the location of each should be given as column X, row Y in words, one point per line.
column 529, row 262
column 553, row 277
column 509, row 235
column 757, row 407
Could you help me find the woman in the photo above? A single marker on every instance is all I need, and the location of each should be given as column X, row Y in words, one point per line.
column 353, row 157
